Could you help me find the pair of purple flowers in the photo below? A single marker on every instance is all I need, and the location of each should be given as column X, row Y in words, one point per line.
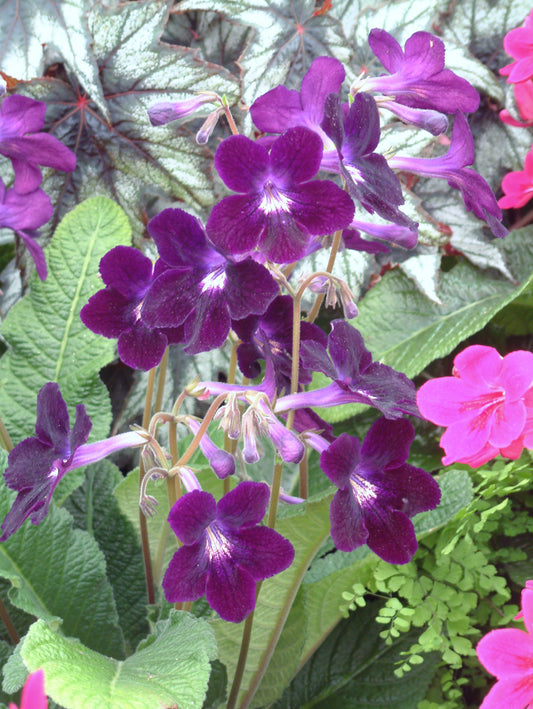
column 25, row 207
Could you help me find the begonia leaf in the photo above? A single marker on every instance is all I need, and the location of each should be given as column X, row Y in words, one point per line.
column 47, row 340
column 95, row 509
column 170, row 668
column 287, row 37
column 55, row 571
column 354, row 669
column 36, row 33
column 125, row 157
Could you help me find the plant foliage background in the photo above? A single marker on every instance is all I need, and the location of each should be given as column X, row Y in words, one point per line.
column 360, row 632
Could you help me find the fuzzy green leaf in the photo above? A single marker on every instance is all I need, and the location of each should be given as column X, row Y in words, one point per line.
column 48, row 341
column 170, row 668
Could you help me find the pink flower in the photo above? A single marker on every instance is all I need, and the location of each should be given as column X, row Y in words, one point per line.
column 523, row 94
column 485, row 405
column 508, row 654
column 33, row 696
column 518, row 43
column 518, row 186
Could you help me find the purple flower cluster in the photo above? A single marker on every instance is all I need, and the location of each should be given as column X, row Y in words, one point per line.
column 25, row 207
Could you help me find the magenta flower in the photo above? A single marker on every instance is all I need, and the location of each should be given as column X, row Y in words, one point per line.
column 518, row 186
column 162, row 113
column 524, row 99
column 507, row 653
column 33, row 696
column 21, row 140
column 38, row 463
column 518, row 43
column 225, row 551
column 280, row 206
column 378, row 491
column 483, row 405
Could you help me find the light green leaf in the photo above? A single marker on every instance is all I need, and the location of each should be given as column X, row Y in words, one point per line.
column 170, row 667
column 48, row 341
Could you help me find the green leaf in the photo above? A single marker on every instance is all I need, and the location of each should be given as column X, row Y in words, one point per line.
column 34, row 33
column 407, row 331
column 95, row 509
column 48, row 341
column 354, row 669
column 170, row 667
column 58, row 573
column 124, row 157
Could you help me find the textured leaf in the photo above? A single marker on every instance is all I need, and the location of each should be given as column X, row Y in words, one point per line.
column 354, row 669
column 171, row 667
column 125, row 157
column 406, row 331
column 95, row 510
column 58, row 574
column 36, row 33
column 48, row 341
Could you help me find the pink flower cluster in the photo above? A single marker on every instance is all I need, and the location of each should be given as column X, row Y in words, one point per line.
column 508, row 654
column 518, row 43
column 487, row 405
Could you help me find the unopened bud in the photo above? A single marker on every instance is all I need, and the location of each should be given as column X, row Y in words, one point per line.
column 208, row 126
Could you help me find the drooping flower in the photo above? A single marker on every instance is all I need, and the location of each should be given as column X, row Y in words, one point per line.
column 280, row 207
column 222, row 462
column 524, row 100
column 378, row 491
column 282, row 108
column 201, row 288
column 33, row 696
column 114, row 311
column 383, row 236
column 507, row 653
column 225, row 551
column 418, row 78
column 21, row 140
column 25, row 213
column 166, row 111
column 518, row 43
column 476, row 192
column 355, row 377
column 483, row 405
column 518, row 186
column 38, row 463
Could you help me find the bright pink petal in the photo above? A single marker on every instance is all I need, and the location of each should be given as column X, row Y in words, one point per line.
column 516, row 693
column 33, row 696
column 464, row 439
column 506, row 423
column 478, row 365
column 507, row 653
column 442, row 400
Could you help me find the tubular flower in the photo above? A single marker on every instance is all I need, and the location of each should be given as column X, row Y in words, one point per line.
column 33, row 696
column 524, row 100
column 518, row 43
column 518, row 186
column 484, row 405
column 225, row 551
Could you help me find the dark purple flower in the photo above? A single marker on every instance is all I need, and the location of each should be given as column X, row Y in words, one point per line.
column 369, row 178
column 201, row 288
column 225, row 551
column 378, row 491
column 356, row 378
column 21, row 120
column 383, row 236
column 269, row 336
column 280, row 207
column 282, row 108
column 25, row 213
column 37, row 464
column 418, row 78
column 476, row 192
column 114, row 311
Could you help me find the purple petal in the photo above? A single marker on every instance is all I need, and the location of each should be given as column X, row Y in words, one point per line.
column 387, row 443
column 325, row 76
column 347, row 350
column 127, row 270
column 295, row 156
column 277, row 110
column 180, row 239
column 263, row 552
column 25, row 211
column 186, row 576
column 241, row 163
column 244, row 278
column 107, row 313
column 230, row 590
column 81, row 429
column 36, row 253
column 191, row 514
column 32, row 502
column 386, row 49
column 243, row 506
column 340, row 460
column 391, row 534
column 347, row 524
column 170, row 299
column 21, row 114
column 52, row 425
column 141, row 347
column 234, row 224
column 209, row 325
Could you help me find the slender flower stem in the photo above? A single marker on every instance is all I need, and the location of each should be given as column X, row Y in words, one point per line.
column 203, row 428
column 148, row 571
column 274, row 495
column 243, row 655
column 329, row 268
column 11, row 630
column 161, row 382
column 230, row 119
column 5, row 438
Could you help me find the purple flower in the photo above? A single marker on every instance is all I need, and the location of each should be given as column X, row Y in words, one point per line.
column 378, row 491
column 167, row 111
column 201, row 288
column 476, row 192
column 225, row 551
column 383, row 236
column 280, row 207
column 222, row 462
column 21, row 120
column 269, row 336
column 369, row 179
column 356, row 377
column 282, row 108
column 37, row 464
column 25, row 213
column 115, row 310
column 418, row 79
